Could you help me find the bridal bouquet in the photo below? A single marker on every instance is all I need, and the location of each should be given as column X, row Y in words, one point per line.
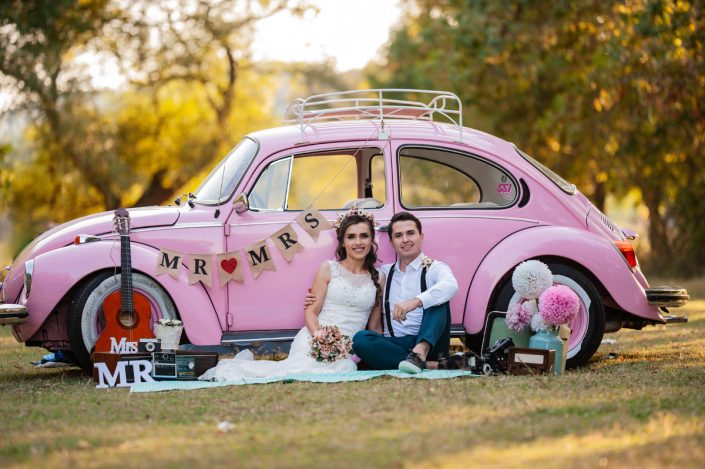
column 328, row 344
column 543, row 306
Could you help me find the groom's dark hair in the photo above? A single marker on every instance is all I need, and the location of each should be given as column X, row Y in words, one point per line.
column 403, row 216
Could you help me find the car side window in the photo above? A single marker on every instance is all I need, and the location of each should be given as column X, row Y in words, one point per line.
column 269, row 193
column 434, row 178
column 378, row 183
column 325, row 181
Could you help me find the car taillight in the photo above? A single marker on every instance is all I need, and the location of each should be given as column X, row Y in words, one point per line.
column 627, row 250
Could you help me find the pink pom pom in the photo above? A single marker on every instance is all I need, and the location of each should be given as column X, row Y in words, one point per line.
column 558, row 305
column 519, row 315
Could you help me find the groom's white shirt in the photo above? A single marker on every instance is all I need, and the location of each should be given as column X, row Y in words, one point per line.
column 441, row 286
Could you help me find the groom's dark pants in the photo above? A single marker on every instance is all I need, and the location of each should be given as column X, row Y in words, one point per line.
column 385, row 353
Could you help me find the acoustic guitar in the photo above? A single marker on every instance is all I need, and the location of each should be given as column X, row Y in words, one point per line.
column 127, row 313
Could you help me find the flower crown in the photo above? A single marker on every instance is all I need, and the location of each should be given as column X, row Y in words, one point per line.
column 354, row 210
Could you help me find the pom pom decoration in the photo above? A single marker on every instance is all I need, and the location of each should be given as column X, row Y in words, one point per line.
column 543, row 305
column 539, row 324
column 531, row 278
column 520, row 314
column 559, row 305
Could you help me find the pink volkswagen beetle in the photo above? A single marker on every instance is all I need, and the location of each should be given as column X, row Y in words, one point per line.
column 485, row 207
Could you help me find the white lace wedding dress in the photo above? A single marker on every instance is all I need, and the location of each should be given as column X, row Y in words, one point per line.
column 347, row 304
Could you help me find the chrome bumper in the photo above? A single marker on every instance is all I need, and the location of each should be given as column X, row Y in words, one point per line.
column 669, row 297
column 11, row 314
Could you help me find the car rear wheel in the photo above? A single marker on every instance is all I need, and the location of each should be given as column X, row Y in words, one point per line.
column 86, row 319
column 587, row 328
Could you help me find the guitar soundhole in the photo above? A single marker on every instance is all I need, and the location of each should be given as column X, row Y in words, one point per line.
column 127, row 319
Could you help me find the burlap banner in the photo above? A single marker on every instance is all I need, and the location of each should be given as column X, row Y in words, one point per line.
column 258, row 255
column 230, row 267
column 169, row 262
column 200, row 269
column 260, row 258
column 287, row 242
column 313, row 222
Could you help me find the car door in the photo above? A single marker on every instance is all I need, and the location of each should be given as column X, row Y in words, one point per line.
column 329, row 178
column 465, row 202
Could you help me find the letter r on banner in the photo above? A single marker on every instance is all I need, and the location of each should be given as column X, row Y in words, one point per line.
column 287, row 242
column 200, row 268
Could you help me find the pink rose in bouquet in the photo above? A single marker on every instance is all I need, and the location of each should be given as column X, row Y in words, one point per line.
column 328, row 344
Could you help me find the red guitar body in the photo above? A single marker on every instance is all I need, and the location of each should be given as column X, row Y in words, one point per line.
column 131, row 328
column 127, row 313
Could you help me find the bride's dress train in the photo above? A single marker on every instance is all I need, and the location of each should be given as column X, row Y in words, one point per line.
column 348, row 302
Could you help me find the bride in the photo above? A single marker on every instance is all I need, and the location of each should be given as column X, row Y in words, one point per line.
column 350, row 291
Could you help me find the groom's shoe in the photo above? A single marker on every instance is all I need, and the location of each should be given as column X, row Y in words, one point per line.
column 413, row 364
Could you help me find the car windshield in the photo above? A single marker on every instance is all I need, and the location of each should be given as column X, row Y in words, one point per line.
column 567, row 187
column 221, row 182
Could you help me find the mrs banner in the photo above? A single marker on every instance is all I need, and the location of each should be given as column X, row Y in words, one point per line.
column 258, row 255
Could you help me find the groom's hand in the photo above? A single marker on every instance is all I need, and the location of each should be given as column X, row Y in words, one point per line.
column 403, row 307
column 310, row 298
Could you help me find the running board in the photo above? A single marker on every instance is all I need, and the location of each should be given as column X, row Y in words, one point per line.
column 249, row 338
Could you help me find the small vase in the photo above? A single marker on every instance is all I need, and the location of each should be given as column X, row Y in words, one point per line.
column 549, row 340
column 169, row 336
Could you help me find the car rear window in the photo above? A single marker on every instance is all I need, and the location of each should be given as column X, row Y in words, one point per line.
column 432, row 177
column 565, row 186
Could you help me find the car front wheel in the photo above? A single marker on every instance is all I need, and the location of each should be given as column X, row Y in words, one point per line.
column 86, row 319
column 587, row 328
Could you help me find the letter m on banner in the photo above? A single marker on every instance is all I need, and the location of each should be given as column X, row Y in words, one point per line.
column 168, row 263
column 260, row 258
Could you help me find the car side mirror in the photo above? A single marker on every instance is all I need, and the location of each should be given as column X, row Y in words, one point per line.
column 240, row 203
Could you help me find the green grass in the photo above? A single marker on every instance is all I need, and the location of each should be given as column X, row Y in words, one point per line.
column 638, row 403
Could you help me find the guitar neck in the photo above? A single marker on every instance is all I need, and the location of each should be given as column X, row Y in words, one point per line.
column 126, row 277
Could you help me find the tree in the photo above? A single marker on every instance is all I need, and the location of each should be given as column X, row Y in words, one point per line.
column 607, row 93
column 190, row 93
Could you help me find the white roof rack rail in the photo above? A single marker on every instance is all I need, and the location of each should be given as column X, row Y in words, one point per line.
column 375, row 104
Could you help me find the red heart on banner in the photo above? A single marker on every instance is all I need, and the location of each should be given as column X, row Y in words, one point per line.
column 229, row 265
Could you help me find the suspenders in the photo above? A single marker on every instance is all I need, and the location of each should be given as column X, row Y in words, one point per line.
column 388, row 286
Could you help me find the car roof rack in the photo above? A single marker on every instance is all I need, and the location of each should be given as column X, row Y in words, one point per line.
column 375, row 104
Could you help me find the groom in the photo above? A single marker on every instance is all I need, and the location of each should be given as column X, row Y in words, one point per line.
column 415, row 311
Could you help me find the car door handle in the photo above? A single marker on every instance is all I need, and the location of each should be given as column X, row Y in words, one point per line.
column 382, row 228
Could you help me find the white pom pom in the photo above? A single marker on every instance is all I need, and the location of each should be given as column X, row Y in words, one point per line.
column 531, row 278
column 539, row 324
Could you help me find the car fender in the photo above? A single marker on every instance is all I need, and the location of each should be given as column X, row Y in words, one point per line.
column 56, row 272
column 593, row 253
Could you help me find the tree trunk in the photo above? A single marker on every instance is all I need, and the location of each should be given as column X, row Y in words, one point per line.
column 658, row 233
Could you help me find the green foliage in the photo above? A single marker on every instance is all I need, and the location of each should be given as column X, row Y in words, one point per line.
column 191, row 94
column 609, row 94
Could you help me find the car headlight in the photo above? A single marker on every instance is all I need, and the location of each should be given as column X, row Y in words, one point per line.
column 28, row 269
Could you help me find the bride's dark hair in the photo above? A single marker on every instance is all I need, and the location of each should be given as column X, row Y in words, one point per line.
column 370, row 259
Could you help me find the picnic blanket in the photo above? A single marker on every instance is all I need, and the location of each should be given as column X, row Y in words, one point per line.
column 310, row 377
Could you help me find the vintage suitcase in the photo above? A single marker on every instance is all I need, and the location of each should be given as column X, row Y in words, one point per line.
column 496, row 328
column 530, row 361
column 181, row 364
